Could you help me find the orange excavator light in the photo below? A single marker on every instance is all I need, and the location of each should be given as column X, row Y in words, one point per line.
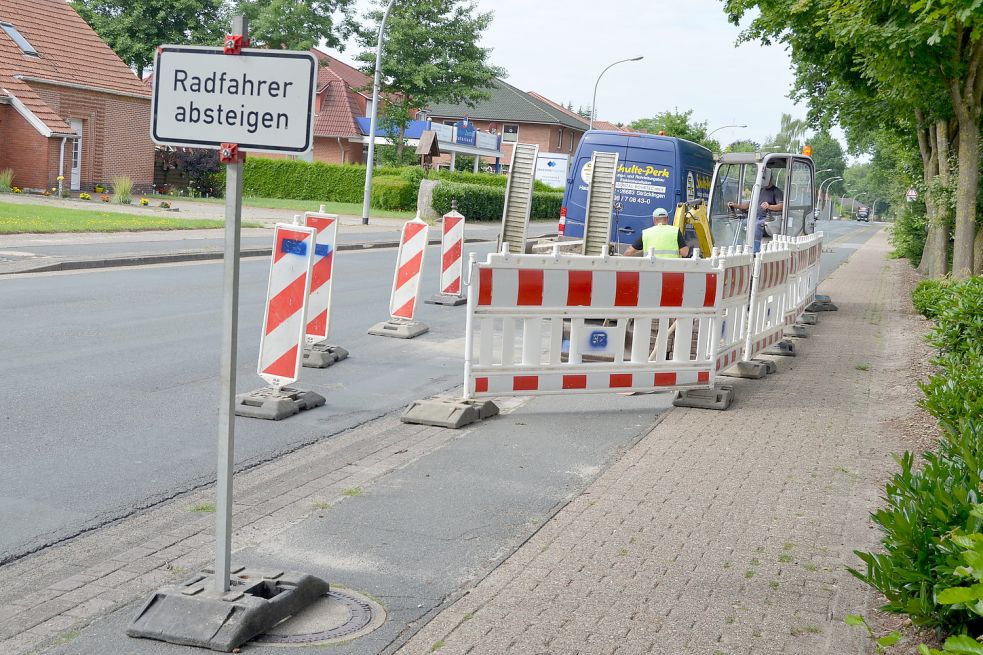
column 807, row 151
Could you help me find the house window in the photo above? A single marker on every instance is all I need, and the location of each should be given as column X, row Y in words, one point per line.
column 559, row 139
column 17, row 38
column 510, row 133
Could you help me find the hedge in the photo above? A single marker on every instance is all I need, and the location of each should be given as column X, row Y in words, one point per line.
column 392, row 188
column 486, row 203
column 484, row 179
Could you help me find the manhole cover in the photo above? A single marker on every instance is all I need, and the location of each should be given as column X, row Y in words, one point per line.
column 339, row 615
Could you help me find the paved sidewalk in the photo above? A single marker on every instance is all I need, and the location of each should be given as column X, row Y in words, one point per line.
column 718, row 533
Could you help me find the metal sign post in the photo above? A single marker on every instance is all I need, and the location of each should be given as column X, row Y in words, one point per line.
column 230, row 340
column 230, row 99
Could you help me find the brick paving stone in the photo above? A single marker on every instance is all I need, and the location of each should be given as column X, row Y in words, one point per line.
column 718, row 532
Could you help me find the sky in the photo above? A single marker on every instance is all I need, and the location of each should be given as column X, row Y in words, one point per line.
column 691, row 61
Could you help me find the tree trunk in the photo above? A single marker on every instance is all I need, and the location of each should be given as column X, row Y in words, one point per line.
column 969, row 178
column 966, row 101
column 978, row 252
column 937, row 243
column 934, row 254
column 401, row 144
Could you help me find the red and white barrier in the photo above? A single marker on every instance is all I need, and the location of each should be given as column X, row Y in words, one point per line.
column 406, row 284
column 451, row 251
column 541, row 324
column 766, row 312
column 738, row 264
column 409, row 266
column 451, row 261
column 806, row 253
column 284, row 321
column 319, row 304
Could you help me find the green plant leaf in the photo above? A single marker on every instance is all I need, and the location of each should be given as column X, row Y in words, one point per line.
column 854, row 619
column 889, row 639
column 954, row 595
column 963, row 645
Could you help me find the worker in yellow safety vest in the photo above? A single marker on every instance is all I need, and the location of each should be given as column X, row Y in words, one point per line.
column 665, row 239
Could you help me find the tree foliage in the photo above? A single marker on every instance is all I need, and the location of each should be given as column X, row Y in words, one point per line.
column 134, row 28
column 910, row 68
column 431, row 55
column 679, row 124
column 743, row 145
column 297, row 24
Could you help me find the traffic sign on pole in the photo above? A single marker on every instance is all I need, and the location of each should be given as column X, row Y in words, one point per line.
column 250, row 100
column 911, row 195
column 262, row 100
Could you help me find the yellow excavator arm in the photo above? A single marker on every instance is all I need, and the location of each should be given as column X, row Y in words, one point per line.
column 694, row 213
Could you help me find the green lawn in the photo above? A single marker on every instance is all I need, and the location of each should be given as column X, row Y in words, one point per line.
column 342, row 208
column 20, row 219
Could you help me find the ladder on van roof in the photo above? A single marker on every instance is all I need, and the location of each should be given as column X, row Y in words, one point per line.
column 518, row 197
column 600, row 202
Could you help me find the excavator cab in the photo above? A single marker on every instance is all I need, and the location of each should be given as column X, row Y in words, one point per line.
column 741, row 183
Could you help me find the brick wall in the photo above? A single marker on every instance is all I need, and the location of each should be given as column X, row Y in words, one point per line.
column 23, row 150
column 115, row 134
column 326, row 150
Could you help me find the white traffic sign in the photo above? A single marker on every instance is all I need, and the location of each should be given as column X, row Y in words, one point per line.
column 912, row 195
column 262, row 100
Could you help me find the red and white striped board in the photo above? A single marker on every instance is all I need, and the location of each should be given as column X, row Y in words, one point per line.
column 409, row 265
column 510, row 384
column 564, row 287
column 451, row 254
column 284, row 321
column 319, row 304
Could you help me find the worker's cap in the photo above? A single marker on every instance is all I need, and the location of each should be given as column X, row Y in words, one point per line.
column 660, row 213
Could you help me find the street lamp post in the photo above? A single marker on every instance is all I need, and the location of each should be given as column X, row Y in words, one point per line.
column 723, row 128
column 373, row 119
column 593, row 106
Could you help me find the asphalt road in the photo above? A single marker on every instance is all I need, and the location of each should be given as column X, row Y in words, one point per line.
column 109, row 382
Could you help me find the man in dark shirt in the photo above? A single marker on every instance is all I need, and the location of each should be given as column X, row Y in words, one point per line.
column 770, row 199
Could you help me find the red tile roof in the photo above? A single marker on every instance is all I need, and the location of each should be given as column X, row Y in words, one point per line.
column 338, row 110
column 356, row 79
column 70, row 53
column 604, row 125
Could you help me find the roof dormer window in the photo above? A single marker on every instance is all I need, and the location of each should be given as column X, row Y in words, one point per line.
column 19, row 39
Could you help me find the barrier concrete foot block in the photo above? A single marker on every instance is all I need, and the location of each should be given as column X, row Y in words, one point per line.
column 275, row 405
column 796, row 331
column 822, row 297
column 321, row 355
column 818, row 306
column 784, row 348
column 449, row 412
column 771, row 366
column 399, row 329
column 192, row 613
column 750, row 370
column 809, row 318
column 442, row 299
column 718, row 398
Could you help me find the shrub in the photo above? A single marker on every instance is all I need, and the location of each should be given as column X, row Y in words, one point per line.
column 908, row 233
column 85, row 196
column 958, row 330
column 956, row 393
column 299, row 180
column 6, row 180
column 486, row 203
column 122, row 190
column 393, row 193
column 484, row 179
column 929, row 295
column 144, row 202
column 922, row 506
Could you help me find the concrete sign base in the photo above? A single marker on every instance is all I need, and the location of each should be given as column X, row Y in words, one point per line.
column 399, row 329
column 268, row 403
column 718, row 398
column 443, row 299
column 808, row 318
column 451, row 413
column 797, row 331
column 822, row 306
column 785, row 348
column 752, row 370
column 321, row 355
column 195, row 614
